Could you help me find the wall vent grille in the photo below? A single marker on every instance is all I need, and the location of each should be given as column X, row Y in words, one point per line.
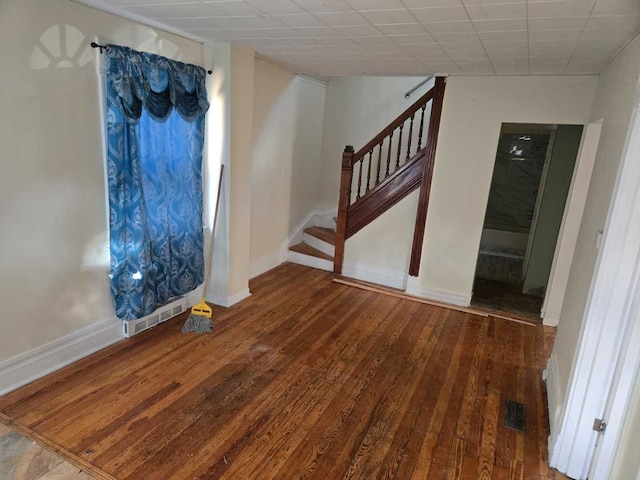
column 134, row 327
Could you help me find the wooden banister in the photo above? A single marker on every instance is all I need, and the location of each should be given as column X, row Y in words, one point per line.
column 389, row 167
column 346, row 178
column 417, row 105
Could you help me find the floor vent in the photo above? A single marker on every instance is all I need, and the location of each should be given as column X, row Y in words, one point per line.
column 134, row 327
column 515, row 415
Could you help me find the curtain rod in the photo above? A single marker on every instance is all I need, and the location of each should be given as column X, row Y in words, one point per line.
column 105, row 47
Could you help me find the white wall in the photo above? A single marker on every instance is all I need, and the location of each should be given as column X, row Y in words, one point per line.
column 273, row 138
column 613, row 105
column 474, row 109
column 287, row 133
column 242, row 83
column 54, row 262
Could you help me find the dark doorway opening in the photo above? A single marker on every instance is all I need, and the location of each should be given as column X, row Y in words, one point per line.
column 531, row 179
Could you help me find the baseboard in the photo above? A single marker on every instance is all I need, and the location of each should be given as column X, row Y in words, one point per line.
column 415, row 288
column 554, row 402
column 266, row 262
column 230, row 300
column 551, row 322
column 368, row 273
column 33, row 364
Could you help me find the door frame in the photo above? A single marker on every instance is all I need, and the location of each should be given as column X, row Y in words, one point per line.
column 570, row 225
column 604, row 341
column 536, row 209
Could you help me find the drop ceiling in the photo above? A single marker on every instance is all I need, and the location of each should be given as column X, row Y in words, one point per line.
column 406, row 37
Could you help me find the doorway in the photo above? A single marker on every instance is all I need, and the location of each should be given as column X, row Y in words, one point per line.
column 531, row 179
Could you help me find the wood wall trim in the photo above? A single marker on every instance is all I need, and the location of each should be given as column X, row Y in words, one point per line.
column 427, row 175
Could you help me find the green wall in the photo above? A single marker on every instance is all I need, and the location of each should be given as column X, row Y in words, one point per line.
column 554, row 197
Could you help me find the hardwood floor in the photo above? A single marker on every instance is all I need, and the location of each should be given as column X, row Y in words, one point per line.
column 305, row 379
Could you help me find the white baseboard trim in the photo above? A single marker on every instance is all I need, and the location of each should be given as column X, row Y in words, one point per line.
column 554, row 402
column 368, row 273
column 415, row 288
column 309, row 261
column 40, row 361
column 230, row 300
column 266, row 262
column 551, row 322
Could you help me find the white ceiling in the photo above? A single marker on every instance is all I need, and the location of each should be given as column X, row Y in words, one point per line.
column 407, row 37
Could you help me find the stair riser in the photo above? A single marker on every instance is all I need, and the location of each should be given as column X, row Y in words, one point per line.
column 309, row 261
column 321, row 245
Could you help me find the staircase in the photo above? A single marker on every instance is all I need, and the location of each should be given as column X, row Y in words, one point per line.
column 317, row 248
column 389, row 167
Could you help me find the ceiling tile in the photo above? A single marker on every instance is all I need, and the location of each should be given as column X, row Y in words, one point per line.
column 206, row 22
column 431, row 3
column 416, row 39
column 387, row 17
column 275, row 7
column 490, row 2
column 444, row 37
column 285, row 32
column 508, row 25
column 498, row 46
column 402, row 29
column 174, row 10
column 341, row 19
column 557, row 23
column 262, row 21
column 449, row 27
column 497, row 11
column 560, row 8
column 318, row 6
column 616, row 7
column 555, row 34
column 440, row 14
column 369, row 41
column 340, row 37
column 520, row 35
column 375, row 4
column 335, row 41
column 300, row 20
column 234, row 8
column 626, row 23
column 320, row 32
column 359, row 31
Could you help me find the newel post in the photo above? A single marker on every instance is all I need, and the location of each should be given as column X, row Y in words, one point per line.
column 343, row 207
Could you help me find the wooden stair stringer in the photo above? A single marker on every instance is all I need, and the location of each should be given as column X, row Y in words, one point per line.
column 385, row 195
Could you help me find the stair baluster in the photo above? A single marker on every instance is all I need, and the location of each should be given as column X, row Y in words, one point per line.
column 421, row 127
column 399, row 147
column 368, row 171
column 389, row 155
column 410, row 135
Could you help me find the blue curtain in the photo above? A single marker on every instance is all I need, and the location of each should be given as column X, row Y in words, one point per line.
column 155, row 111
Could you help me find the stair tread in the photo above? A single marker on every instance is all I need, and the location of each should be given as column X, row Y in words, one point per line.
column 322, row 233
column 307, row 249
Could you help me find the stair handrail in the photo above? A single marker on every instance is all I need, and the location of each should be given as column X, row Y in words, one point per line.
column 408, row 94
column 400, row 119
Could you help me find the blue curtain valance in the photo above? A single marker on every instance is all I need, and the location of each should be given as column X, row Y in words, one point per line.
column 155, row 83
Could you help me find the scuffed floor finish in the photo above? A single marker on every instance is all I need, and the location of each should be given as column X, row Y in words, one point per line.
column 305, row 379
column 23, row 459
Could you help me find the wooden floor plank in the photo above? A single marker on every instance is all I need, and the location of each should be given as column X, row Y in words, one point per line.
column 305, row 379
